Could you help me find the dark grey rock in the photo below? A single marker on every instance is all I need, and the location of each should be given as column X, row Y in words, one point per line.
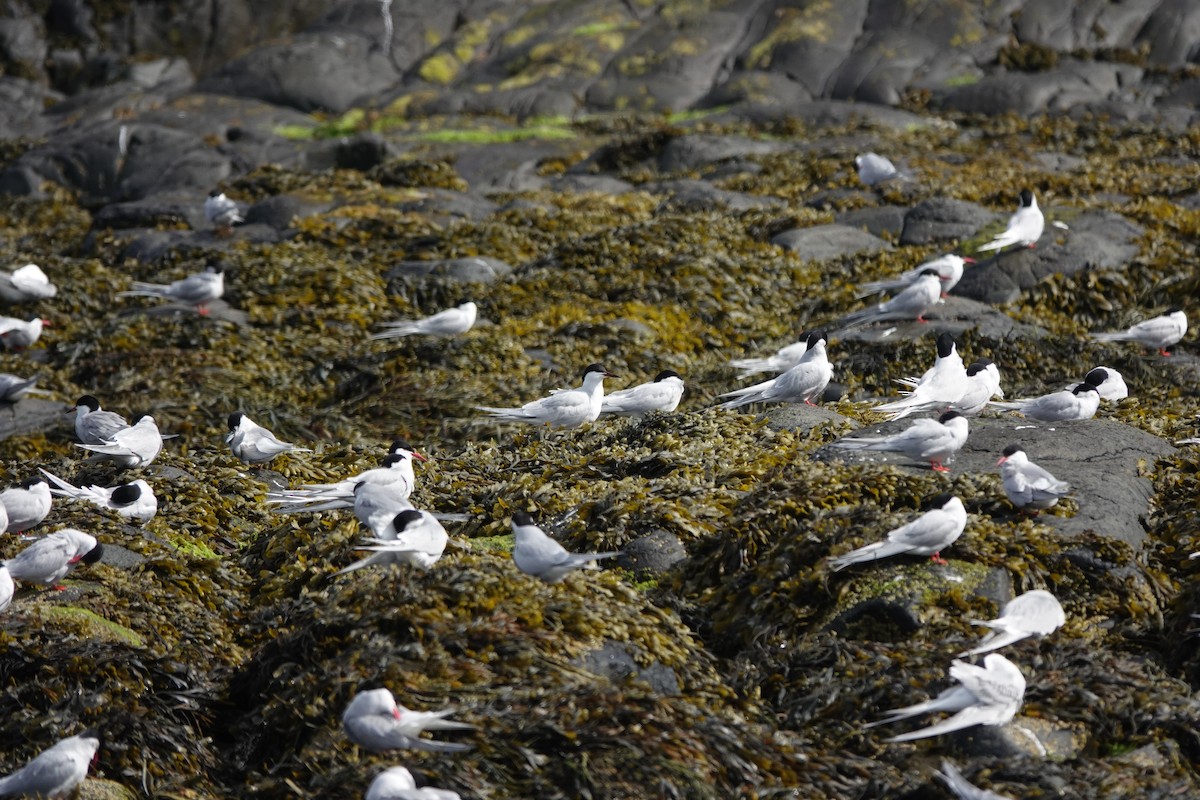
column 313, row 72
column 821, row 242
column 281, row 211
column 881, row 221
column 802, row 417
column 814, row 56
column 1172, row 33
column 23, row 42
column 695, row 195
column 444, row 205
column 954, row 315
column 21, row 105
column 363, row 151
column 940, row 219
column 481, row 269
column 30, row 416
column 172, row 209
column 118, row 557
column 694, row 152
column 601, row 184
column 613, row 660
column 652, row 554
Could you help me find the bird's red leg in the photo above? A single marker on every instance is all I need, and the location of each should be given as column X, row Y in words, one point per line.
column 937, row 558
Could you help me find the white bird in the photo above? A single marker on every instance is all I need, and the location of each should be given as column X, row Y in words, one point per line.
column 254, row 444
column 198, row 289
column 568, row 408
column 536, row 554
column 1024, row 227
column 1081, row 402
column 1109, row 383
column 874, row 169
column 800, row 384
column 1027, row 485
column 135, row 446
column 26, row 283
column 375, row 722
column 17, row 333
column 397, row 467
column 451, row 322
column 14, row 388
column 661, row 394
column 983, row 383
column 54, row 772
column 932, row 440
column 781, row 360
column 93, row 425
column 134, row 500
column 220, row 211
column 1158, row 332
column 1035, row 613
column 49, row 559
column 913, row 302
column 927, row 535
column 964, row 789
column 949, row 269
column 376, row 504
column 940, row 387
column 987, row 695
column 6, row 588
column 396, row 783
column 411, row 537
column 26, row 504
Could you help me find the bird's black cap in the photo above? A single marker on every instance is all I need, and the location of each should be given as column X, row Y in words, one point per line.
column 1012, row 448
column 87, row 400
column 32, row 481
column 235, row 419
column 596, row 368
column 405, row 518
column 976, row 368
column 522, row 518
column 124, row 495
column 937, row 501
column 1096, row 377
column 949, row 415
column 1026, row 198
column 1085, row 387
column 667, row 373
column 931, row 271
column 816, row 336
column 94, row 555
column 945, row 345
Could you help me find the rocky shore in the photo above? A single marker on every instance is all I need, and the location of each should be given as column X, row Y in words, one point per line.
column 648, row 187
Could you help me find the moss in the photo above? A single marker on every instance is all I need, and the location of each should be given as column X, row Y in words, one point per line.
column 83, row 622
column 440, row 68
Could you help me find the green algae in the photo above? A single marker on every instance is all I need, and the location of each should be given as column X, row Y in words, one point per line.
column 84, row 622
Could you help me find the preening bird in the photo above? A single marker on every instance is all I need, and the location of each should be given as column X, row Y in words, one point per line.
column 25, row 284
column 135, row 446
column 220, row 211
column 375, row 722
column 451, row 322
column 254, row 444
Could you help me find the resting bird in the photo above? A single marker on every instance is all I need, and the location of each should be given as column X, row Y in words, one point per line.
column 949, row 269
column 221, row 211
column 1109, row 383
column 93, row 425
column 18, row 333
column 932, row 440
column 1035, row 613
column 254, row 444
column 568, row 408
column 375, row 722
column 987, row 695
column 135, row 446
column 800, row 384
column 134, row 500
column 396, row 783
column 927, row 535
column 397, row 467
column 1027, row 485
column 197, row 290
column 874, row 169
column 538, row 555
column 6, row 588
column 25, row 284
column 55, row 772
column 1158, row 332
column 661, row 394
column 1082, row 402
column 26, row 504
column 14, row 388
column 914, row 302
column 450, row 322
column 983, row 383
column 1024, row 227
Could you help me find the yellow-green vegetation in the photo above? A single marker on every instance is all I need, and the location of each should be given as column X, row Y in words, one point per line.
column 248, row 645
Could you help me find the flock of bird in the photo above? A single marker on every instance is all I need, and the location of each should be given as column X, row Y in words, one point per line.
column 399, row 533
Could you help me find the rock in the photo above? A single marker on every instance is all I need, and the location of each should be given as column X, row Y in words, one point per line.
column 940, row 219
column 696, row 196
column 30, row 416
column 696, row 151
column 362, row 152
column 799, row 417
column 613, row 661
column 1023, row 737
column 824, row 242
column 882, row 221
column 281, row 211
column 652, row 554
column 313, row 72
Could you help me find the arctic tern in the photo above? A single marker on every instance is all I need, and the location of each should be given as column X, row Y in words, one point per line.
column 913, row 302
column 451, row 322
column 135, row 446
column 25, row 284
column 48, row 560
column 254, row 444
column 661, row 394
column 932, row 440
column 56, row 771
column 1035, row 613
column 1027, row 485
column 800, row 384
column 927, row 535
column 375, row 722
column 1024, row 227
column 198, row 289
column 568, row 408
column 536, row 554
column 949, row 269
column 134, row 500
column 1158, row 332
column 397, row 783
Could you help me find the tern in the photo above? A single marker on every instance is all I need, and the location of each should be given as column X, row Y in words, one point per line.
column 661, row 394
column 568, row 408
column 1035, row 613
column 134, row 500
column 254, row 444
column 25, row 284
column 1157, row 333
column 375, row 722
column 536, row 554
column 56, row 771
column 1024, row 227
column 197, row 290
column 932, row 440
column 451, row 322
column 927, row 535
column 1026, row 485
column 800, row 384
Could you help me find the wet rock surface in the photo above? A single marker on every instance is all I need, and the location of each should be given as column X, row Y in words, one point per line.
column 647, row 188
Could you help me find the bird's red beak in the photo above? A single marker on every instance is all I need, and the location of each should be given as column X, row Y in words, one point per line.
column 396, row 713
column 968, row 260
column 47, row 323
column 1001, row 460
column 419, row 457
